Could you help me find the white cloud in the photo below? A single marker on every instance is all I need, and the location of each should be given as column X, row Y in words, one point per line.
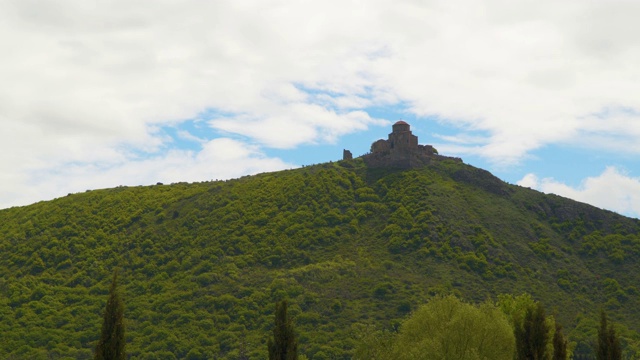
column 530, row 181
column 91, row 82
column 296, row 124
column 219, row 159
column 613, row 190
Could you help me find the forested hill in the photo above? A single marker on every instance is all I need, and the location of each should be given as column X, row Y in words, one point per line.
column 202, row 265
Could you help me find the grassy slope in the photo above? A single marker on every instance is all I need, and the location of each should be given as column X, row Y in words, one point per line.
column 202, row 264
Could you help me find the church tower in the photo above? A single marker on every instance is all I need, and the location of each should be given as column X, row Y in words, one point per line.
column 401, row 138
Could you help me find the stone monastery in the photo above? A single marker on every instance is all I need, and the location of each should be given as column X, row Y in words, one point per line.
column 400, row 150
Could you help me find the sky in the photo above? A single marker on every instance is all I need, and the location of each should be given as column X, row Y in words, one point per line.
column 98, row 94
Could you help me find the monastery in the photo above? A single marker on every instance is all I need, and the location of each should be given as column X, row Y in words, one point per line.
column 400, row 150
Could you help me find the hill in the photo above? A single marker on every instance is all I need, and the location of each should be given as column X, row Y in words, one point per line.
column 351, row 246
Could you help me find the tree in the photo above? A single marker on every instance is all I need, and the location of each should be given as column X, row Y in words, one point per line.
column 608, row 345
column 532, row 334
column 559, row 344
column 283, row 345
column 516, row 309
column 111, row 345
column 444, row 328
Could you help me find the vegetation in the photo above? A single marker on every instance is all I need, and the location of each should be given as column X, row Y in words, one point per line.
column 445, row 328
column 350, row 247
column 608, row 347
column 532, row 334
column 111, row 345
column 283, row 345
column 537, row 336
column 559, row 344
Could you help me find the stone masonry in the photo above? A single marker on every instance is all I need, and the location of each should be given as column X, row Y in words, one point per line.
column 400, row 150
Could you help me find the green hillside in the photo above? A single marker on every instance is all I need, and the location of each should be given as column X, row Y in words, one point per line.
column 202, row 265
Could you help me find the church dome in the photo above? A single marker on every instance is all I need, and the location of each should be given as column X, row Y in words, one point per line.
column 401, row 126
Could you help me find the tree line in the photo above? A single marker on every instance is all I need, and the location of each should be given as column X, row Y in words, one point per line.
column 516, row 327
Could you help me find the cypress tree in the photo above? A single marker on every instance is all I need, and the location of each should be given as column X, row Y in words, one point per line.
column 602, row 349
column 615, row 350
column 283, row 345
column 559, row 344
column 608, row 346
column 111, row 345
column 532, row 334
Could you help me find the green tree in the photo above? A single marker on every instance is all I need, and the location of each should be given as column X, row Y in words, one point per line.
column 445, row 328
column 283, row 345
column 515, row 307
column 559, row 344
column 111, row 345
column 608, row 345
column 532, row 335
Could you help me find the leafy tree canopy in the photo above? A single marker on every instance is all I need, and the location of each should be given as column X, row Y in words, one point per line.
column 445, row 328
column 349, row 246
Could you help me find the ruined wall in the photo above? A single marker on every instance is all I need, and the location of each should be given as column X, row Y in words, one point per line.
column 400, row 158
column 380, row 146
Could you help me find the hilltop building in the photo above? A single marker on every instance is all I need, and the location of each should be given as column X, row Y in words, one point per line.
column 401, row 150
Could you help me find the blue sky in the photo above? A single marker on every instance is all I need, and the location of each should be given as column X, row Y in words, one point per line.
column 96, row 95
